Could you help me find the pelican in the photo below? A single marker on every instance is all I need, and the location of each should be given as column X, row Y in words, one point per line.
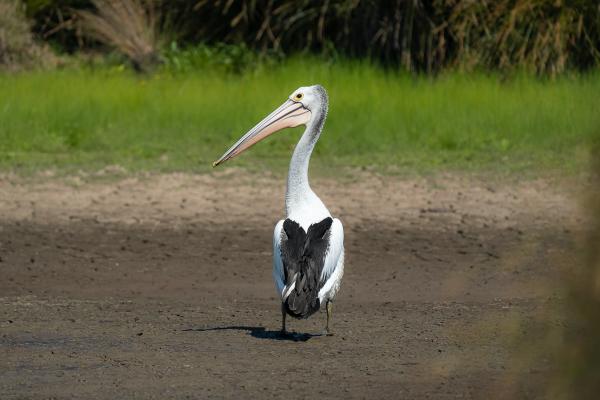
column 308, row 245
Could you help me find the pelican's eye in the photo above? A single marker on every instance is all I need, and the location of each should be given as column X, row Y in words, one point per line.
column 298, row 96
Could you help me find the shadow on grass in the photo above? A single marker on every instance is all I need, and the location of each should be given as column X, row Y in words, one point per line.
column 260, row 333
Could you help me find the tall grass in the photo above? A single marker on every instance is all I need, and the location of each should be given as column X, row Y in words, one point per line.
column 18, row 49
column 543, row 36
column 130, row 26
column 89, row 119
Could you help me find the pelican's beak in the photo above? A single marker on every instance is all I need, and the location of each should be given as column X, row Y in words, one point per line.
column 290, row 114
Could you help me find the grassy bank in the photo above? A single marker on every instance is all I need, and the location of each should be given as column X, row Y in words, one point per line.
column 89, row 119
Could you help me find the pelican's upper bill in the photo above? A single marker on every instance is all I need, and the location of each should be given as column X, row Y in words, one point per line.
column 293, row 112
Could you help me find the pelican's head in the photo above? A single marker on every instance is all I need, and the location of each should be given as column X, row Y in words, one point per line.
column 313, row 98
column 301, row 107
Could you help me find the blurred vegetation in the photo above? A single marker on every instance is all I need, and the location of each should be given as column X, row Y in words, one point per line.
column 579, row 352
column 544, row 36
column 169, row 121
column 129, row 26
column 17, row 46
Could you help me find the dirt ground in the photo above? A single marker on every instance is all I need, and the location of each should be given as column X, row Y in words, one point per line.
column 160, row 286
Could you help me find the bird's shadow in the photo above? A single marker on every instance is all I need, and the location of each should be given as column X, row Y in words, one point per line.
column 260, row 332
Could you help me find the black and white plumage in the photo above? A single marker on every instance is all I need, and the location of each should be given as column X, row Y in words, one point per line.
column 303, row 256
column 308, row 245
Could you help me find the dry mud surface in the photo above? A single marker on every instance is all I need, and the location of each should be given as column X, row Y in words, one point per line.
column 160, row 287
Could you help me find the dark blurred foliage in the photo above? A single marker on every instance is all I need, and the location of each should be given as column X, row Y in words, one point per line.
column 547, row 36
column 54, row 22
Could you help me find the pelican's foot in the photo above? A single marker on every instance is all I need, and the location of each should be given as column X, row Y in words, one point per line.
column 328, row 332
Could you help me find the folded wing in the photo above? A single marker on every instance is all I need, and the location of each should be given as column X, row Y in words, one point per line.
column 298, row 264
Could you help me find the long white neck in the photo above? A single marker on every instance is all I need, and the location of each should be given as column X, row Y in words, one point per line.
column 300, row 201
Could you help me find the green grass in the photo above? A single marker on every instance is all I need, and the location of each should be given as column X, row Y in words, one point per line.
column 81, row 119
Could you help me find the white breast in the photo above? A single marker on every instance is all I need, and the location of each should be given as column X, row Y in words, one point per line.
column 306, row 210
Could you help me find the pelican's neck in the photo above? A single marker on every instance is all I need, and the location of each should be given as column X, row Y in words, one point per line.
column 299, row 197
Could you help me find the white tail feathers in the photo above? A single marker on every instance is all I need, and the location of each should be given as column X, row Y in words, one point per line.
column 285, row 293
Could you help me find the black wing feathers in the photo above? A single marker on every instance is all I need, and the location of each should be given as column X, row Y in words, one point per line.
column 303, row 255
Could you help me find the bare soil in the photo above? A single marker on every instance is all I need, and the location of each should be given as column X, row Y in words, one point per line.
column 160, row 287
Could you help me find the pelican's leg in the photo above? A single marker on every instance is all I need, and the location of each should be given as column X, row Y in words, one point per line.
column 283, row 331
column 328, row 330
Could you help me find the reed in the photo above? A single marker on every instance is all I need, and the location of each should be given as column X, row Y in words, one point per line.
column 18, row 49
column 544, row 36
column 130, row 26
